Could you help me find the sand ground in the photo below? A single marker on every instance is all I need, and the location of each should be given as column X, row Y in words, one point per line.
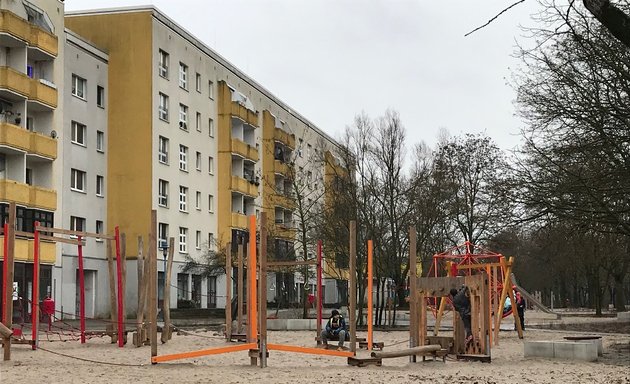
column 102, row 362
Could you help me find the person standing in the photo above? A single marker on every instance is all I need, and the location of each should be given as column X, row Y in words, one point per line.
column 520, row 309
column 461, row 302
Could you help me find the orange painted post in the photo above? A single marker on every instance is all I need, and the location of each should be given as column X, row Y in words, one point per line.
column 251, row 286
column 308, row 350
column 370, row 298
column 202, row 352
column 263, row 290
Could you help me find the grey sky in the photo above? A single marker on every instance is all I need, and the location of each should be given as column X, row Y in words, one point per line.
column 332, row 59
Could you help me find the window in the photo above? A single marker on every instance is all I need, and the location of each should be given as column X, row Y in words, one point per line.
column 211, row 89
column 198, row 240
column 77, row 180
column 210, row 203
column 77, row 223
column 100, row 186
column 198, row 200
column 163, row 64
column 183, row 197
column 78, row 133
column 308, row 151
column 100, row 141
column 198, row 83
column 198, row 161
column 198, row 122
column 163, row 193
column 79, row 86
column 211, row 165
column 100, row 96
column 211, row 127
column 162, row 234
column 183, row 239
column 183, row 158
column 183, row 75
column 211, row 240
column 99, row 229
column 183, row 117
column 163, row 107
column 163, row 150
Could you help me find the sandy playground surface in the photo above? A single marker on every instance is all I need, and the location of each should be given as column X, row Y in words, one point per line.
column 59, row 362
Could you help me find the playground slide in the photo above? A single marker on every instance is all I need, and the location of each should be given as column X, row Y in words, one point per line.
column 530, row 298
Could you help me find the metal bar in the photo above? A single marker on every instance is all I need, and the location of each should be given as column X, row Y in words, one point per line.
column 35, row 293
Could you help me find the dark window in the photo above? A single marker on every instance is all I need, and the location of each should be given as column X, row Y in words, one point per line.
column 25, row 217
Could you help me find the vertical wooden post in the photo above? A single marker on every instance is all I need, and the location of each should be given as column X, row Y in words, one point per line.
column 141, row 295
column 8, row 269
column 228, row 291
column 153, row 282
column 239, row 289
column 166, row 302
column 81, row 290
column 113, row 302
column 320, row 294
column 370, row 297
column 252, row 310
column 123, row 264
column 353, row 286
column 263, row 290
column 35, row 293
column 413, row 297
column 120, row 292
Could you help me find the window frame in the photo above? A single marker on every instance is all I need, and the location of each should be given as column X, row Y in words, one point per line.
column 183, row 158
column 74, row 220
column 100, row 186
column 100, row 141
column 211, row 165
column 163, row 106
column 163, row 63
column 211, row 89
column 183, row 116
column 76, row 81
column 99, row 229
column 75, row 125
column 183, row 199
column 76, row 176
column 211, row 203
column 183, row 76
column 100, row 96
column 198, row 82
column 183, row 240
column 163, row 149
column 163, row 193
column 198, row 200
column 211, row 127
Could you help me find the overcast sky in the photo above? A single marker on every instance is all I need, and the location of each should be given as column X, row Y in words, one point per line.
column 332, row 59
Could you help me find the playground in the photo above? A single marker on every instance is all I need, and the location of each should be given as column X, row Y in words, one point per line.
column 51, row 362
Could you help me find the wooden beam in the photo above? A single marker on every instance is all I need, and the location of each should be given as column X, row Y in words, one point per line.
column 297, row 263
column 370, row 295
column 262, row 281
column 252, row 299
column 69, row 232
column 308, row 350
column 413, row 297
column 203, row 352
column 419, row 350
column 228, row 291
column 141, row 294
column 113, row 304
column 61, row 240
column 153, row 284
column 239, row 289
column 166, row 302
column 483, row 266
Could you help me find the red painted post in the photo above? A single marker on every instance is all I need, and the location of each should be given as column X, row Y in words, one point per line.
column 370, row 297
column 5, row 276
column 82, row 291
column 320, row 296
column 35, row 293
column 120, row 292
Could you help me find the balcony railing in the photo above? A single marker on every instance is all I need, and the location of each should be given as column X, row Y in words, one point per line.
column 33, row 143
column 243, row 149
column 284, row 137
column 239, row 220
column 42, row 92
column 22, row 30
column 31, row 196
column 244, row 114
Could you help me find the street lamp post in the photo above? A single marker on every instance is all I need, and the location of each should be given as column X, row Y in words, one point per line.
column 164, row 247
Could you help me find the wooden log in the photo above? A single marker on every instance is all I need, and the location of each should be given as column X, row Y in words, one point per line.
column 262, row 282
column 5, row 332
column 123, row 266
column 113, row 303
column 228, row 291
column 137, row 338
column 420, row 350
column 166, row 302
column 414, row 330
column 152, row 275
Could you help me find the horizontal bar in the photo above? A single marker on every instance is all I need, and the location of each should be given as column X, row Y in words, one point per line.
column 61, row 240
column 104, row 236
column 296, row 263
column 308, row 350
column 203, row 352
column 483, row 265
column 30, row 235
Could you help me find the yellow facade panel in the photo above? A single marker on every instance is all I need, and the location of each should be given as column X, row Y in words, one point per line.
column 43, row 145
column 12, row 24
column 43, row 93
column 239, row 221
column 24, row 251
column 43, row 40
column 15, row 81
column 15, row 137
column 243, row 186
column 284, row 137
column 243, row 149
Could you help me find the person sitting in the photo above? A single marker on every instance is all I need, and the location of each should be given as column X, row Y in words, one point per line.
column 335, row 328
column 461, row 302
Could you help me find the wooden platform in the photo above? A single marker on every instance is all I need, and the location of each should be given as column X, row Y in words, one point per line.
column 376, row 345
column 364, row 362
column 482, row 358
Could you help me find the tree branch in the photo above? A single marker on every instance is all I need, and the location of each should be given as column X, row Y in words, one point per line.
column 494, row 18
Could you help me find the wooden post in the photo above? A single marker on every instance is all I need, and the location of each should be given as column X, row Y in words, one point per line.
column 113, row 303
column 153, row 282
column 81, row 289
column 121, row 295
column 239, row 289
column 6, row 287
column 35, row 293
column 353, row 286
column 370, row 297
column 123, row 264
column 413, row 297
column 167, row 329
column 9, row 255
column 141, row 295
column 252, row 310
column 320, row 294
column 228, row 291
column 263, row 290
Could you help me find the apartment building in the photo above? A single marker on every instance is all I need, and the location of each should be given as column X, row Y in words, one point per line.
column 31, row 85
column 202, row 143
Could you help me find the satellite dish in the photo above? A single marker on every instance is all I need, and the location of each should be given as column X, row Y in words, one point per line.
column 53, row 134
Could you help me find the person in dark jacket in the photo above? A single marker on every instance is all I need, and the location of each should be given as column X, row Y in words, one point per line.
column 461, row 302
column 520, row 308
column 335, row 328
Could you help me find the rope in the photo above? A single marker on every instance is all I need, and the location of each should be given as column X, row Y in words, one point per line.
column 91, row 361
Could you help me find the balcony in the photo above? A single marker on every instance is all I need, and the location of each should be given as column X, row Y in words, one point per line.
column 284, row 137
column 242, row 149
column 239, row 221
column 43, row 93
column 30, row 142
column 281, row 168
column 19, row 32
column 31, row 196
column 24, row 250
column 283, row 231
column 13, row 82
column 238, row 110
column 284, row 201
column 239, row 184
